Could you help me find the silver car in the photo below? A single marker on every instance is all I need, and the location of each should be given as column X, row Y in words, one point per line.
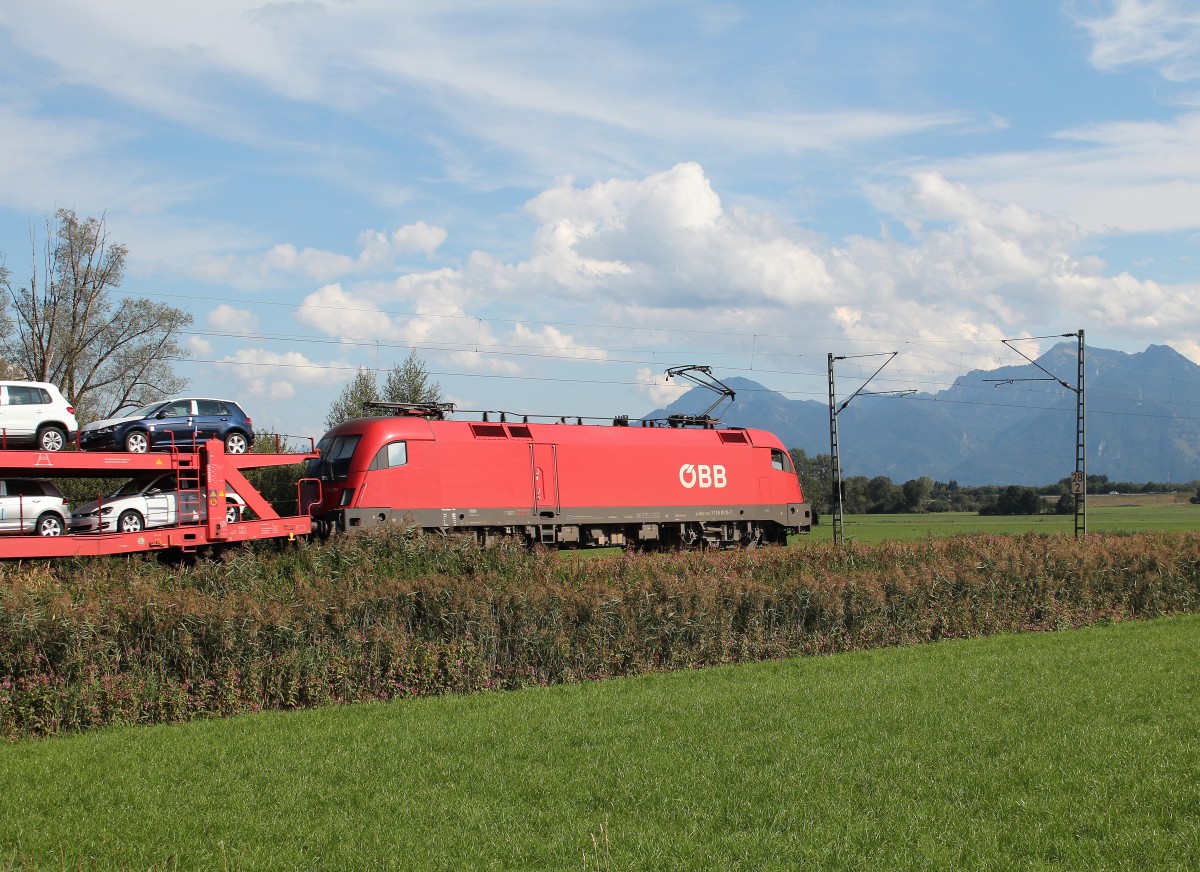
column 30, row 505
column 154, row 501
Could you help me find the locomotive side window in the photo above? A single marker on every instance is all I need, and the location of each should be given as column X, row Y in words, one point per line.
column 392, row 454
column 780, row 460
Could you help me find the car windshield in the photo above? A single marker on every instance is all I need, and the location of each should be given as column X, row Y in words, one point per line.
column 136, row 486
column 146, row 411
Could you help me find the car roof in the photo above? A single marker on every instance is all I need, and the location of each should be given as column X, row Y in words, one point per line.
column 49, row 486
column 195, row 397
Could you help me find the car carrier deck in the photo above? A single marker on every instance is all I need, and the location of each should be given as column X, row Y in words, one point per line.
column 208, row 471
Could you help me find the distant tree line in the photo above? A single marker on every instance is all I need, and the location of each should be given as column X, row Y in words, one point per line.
column 880, row 495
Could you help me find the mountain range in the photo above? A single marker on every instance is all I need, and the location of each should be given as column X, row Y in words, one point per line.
column 1012, row 425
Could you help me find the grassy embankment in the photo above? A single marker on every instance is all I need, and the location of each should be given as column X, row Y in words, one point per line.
column 1065, row 750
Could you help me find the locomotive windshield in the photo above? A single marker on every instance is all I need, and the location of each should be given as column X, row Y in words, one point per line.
column 334, row 462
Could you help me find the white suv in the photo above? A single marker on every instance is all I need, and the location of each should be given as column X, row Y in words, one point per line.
column 35, row 412
column 31, row 505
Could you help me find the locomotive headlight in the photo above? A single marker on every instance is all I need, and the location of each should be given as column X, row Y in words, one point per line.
column 347, row 496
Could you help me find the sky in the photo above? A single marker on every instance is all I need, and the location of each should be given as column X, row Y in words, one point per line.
column 554, row 202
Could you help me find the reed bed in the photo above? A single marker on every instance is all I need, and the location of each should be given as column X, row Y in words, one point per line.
column 392, row 613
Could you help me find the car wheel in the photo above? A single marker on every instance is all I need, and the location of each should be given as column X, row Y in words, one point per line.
column 130, row 522
column 233, row 513
column 137, row 442
column 52, row 438
column 235, row 443
column 50, row 524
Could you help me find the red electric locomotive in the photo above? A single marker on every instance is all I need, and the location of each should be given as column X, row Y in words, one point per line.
column 561, row 484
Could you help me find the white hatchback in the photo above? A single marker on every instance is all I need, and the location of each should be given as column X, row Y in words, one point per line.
column 142, row 503
column 35, row 413
column 31, row 505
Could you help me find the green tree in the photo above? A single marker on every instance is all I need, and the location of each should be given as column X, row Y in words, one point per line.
column 884, row 496
column 409, row 382
column 406, row 382
column 854, row 495
column 1015, row 500
column 816, row 479
column 917, row 492
column 102, row 352
column 277, row 484
column 353, row 400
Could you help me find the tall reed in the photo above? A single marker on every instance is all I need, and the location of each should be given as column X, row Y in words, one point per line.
column 392, row 613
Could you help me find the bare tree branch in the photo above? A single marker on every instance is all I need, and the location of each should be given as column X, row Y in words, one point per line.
column 68, row 329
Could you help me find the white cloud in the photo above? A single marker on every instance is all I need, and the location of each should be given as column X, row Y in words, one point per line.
column 76, row 162
column 561, row 93
column 318, row 265
column 228, row 319
column 1106, row 178
column 665, row 250
column 377, row 253
column 665, row 237
column 273, row 376
column 658, row 389
column 1164, row 34
column 254, row 363
column 199, row 347
column 974, row 268
column 334, row 312
column 418, row 237
column 552, row 342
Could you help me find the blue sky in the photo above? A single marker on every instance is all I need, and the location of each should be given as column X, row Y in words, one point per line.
column 555, row 201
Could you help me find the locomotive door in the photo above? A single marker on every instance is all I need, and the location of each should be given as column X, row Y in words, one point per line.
column 545, row 479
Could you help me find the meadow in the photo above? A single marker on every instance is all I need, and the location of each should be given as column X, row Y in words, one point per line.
column 1073, row 750
column 1107, row 513
column 197, row 717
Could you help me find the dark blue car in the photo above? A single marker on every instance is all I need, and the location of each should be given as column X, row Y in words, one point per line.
column 166, row 424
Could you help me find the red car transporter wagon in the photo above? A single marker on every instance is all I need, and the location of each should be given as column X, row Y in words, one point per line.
column 571, row 485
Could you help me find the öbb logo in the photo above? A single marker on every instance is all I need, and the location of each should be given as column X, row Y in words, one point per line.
column 701, row 475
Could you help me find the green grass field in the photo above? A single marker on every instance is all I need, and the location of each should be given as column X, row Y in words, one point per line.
column 1107, row 517
column 1070, row 750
